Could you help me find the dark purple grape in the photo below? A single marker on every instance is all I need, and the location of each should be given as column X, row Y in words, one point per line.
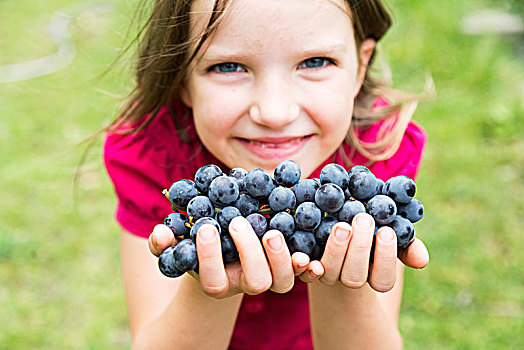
column 382, row 209
column 413, row 211
column 317, row 252
column 308, row 216
column 404, row 231
column 205, row 175
column 177, row 223
column 283, row 222
column 247, row 204
column 380, row 186
column 200, row 207
column 225, row 215
column 301, row 241
column 199, row 223
column 324, row 229
column 166, row 263
column 330, row 197
column 223, row 190
column 258, row 222
column 350, row 208
column 363, row 185
column 400, row 188
column 259, row 183
column 181, row 192
column 239, row 174
column 185, row 255
column 287, row 173
column 229, row 250
column 356, row 169
column 305, row 190
column 336, row 174
column 282, row 198
column 347, row 194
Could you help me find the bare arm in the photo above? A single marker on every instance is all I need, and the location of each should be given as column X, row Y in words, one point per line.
column 159, row 306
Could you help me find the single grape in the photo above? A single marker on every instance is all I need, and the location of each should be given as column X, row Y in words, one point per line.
column 239, row 174
column 223, row 190
column 404, row 230
column 356, row 169
column 259, row 183
column 336, row 174
column 308, row 216
column 200, row 207
column 305, row 190
column 400, row 188
column 413, row 211
column 166, row 263
column 324, row 229
column 330, row 197
column 301, row 241
column 199, row 223
column 317, row 252
column 247, row 204
column 282, row 198
column 229, row 250
column 205, row 175
column 283, row 222
column 380, row 186
column 177, row 223
column 258, row 222
column 287, row 173
column 382, row 209
column 225, row 215
column 181, row 192
column 363, row 185
column 185, row 255
column 350, row 208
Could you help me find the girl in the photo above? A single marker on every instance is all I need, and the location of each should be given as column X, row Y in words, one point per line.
column 248, row 84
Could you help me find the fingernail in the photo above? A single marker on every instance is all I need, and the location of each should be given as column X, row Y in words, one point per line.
column 386, row 236
column 364, row 222
column 206, row 234
column 275, row 243
column 341, row 234
column 238, row 223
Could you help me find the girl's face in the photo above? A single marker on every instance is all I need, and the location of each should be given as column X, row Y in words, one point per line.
column 276, row 81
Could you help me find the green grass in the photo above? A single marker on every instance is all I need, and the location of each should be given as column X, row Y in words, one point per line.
column 60, row 284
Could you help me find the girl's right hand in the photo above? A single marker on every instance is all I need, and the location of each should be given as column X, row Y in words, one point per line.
column 256, row 271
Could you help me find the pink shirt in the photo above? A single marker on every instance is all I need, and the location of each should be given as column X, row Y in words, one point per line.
column 142, row 165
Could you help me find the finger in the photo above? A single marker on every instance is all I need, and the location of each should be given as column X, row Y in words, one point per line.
column 300, row 262
column 211, row 268
column 279, row 261
column 335, row 252
column 415, row 256
column 383, row 271
column 256, row 275
column 356, row 265
column 314, row 271
column 161, row 238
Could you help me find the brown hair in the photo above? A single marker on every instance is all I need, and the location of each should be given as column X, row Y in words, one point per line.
column 164, row 56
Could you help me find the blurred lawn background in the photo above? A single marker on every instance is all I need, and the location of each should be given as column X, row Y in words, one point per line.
column 60, row 283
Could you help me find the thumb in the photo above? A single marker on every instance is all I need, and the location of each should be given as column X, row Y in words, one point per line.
column 161, row 238
column 415, row 256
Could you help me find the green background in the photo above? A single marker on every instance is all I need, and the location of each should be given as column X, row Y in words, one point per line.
column 60, row 283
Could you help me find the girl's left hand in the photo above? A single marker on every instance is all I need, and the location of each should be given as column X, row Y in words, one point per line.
column 347, row 253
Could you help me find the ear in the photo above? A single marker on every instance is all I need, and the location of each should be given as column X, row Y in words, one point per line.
column 367, row 47
column 185, row 97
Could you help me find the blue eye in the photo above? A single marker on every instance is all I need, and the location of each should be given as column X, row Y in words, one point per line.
column 315, row 62
column 228, row 67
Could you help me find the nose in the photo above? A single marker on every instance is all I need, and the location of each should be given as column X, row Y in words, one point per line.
column 274, row 104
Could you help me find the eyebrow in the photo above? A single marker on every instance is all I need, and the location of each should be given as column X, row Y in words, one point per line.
column 215, row 53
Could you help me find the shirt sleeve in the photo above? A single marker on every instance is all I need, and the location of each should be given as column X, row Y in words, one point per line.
column 138, row 180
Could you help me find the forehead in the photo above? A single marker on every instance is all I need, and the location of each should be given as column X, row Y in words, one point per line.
column 252, row 22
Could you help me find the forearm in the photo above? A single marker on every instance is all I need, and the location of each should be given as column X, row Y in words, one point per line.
column 192, row 320
column 344, row 318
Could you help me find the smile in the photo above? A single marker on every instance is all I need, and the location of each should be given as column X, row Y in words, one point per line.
column 274, row 147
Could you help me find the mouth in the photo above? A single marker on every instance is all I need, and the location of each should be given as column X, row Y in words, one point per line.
column 275, row 147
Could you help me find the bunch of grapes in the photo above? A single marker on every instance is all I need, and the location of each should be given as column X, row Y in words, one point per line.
column 304, row 211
